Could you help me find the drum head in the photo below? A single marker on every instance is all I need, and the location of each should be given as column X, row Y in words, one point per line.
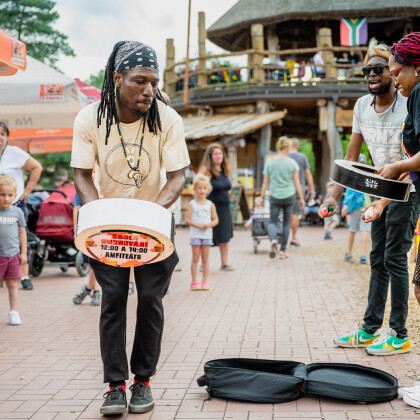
column 125, row 248
column 125, row 232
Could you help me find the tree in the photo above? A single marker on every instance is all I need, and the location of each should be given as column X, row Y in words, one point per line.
column 52, row 163
column 31, row 21
column 97, row 80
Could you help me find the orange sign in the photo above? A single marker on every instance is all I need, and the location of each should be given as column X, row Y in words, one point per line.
column 12, row 53
column 42, row 140
column 17, row 52
column 51, row 93
column 123, row 248
column 6, row 70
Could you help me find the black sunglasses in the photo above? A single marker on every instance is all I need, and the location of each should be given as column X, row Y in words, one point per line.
column 377, row 69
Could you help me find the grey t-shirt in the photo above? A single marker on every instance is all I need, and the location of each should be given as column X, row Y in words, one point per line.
column 11, row 220
column 303, row 163
column 381, row 132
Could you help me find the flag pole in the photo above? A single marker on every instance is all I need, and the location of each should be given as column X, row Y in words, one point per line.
column 187, row 61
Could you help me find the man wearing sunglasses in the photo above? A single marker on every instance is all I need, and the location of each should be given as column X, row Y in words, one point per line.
column 377, row 121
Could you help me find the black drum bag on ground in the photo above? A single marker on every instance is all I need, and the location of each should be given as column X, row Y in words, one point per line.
column 272, row 381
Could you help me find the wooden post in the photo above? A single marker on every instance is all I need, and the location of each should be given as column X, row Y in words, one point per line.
column 257, row 37
column 333, row 135
column 332, row 148
column 202, row 35
column 325, row 40
column 272, row 45
column 264, row 142
column 250, row 63
column 169, row 76
column 233, row 162
column 408, row 26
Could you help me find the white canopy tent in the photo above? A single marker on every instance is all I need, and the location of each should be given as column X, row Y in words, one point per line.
column 39, row 107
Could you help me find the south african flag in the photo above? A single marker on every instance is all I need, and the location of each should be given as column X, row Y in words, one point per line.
column 353, row 32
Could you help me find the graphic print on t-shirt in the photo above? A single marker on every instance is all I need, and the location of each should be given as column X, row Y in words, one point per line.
column 380, row 130
column 125, row 175
column 383, row 141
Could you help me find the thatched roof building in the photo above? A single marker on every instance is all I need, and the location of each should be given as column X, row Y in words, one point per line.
column 231, row 31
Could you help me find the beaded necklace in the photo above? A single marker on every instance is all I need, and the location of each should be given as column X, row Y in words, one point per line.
column 134, row 173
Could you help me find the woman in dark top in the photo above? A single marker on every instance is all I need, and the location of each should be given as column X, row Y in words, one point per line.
column 216, row 167
column 404, row 65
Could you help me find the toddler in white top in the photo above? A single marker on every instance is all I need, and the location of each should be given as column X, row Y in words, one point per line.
column 201, row 217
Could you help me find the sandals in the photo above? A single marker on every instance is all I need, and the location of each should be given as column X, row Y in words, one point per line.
column 205, row 286
column 195, row 286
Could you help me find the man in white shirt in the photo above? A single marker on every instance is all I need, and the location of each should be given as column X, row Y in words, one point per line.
column 377, row 120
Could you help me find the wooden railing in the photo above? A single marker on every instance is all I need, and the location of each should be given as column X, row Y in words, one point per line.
column 292, row 71
column 263, row 66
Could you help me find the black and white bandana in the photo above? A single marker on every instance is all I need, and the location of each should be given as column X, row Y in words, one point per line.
column 135, row 54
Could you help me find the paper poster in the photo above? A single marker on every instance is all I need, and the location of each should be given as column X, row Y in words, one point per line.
column 123, row 248
column 51, row 93
column 17, row 52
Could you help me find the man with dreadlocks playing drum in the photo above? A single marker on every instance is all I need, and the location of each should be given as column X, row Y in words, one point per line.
column 131, row 138
column 377, row 119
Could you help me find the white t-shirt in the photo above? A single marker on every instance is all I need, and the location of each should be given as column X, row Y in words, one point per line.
column 201, row 214
column 11, row 163
column 164, row 152
column 318, row 59
column 381, row 131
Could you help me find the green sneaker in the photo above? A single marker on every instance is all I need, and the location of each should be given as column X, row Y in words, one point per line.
column 389, row 344
column 141, row 399
column 359, row 338
column 115, row 402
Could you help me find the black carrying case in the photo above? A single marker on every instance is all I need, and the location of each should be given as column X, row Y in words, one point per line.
column 272, row 381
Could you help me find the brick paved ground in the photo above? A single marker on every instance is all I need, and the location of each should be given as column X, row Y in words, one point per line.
column 50, row 366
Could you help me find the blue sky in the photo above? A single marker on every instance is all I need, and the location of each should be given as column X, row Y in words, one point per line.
column 93, row 27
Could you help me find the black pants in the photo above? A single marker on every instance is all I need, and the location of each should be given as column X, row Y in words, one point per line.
column 152, row 282
column 392, row 237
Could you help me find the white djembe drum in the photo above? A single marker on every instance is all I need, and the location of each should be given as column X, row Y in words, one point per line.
column 125, row 232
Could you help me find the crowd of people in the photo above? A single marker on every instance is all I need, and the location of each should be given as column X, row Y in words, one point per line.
column 132, row 107
column 281, row 70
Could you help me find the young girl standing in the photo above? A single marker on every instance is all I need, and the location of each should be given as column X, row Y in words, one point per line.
column 12, row 243
column 201, row 217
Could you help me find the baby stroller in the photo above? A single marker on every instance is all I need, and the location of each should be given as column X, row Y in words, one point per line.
column 54, row 229
column 260, row 218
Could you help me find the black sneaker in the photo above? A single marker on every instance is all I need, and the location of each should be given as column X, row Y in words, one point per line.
column 26, row 283
column 141, row 398
column 115, row 402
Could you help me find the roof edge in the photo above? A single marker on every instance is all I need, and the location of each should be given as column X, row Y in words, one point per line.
column 214, row 35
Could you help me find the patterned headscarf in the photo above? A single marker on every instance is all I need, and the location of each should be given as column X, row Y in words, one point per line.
column 135, row 54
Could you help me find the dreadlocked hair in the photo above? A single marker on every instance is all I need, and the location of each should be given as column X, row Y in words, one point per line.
column 107, row 107
column 407, row 49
